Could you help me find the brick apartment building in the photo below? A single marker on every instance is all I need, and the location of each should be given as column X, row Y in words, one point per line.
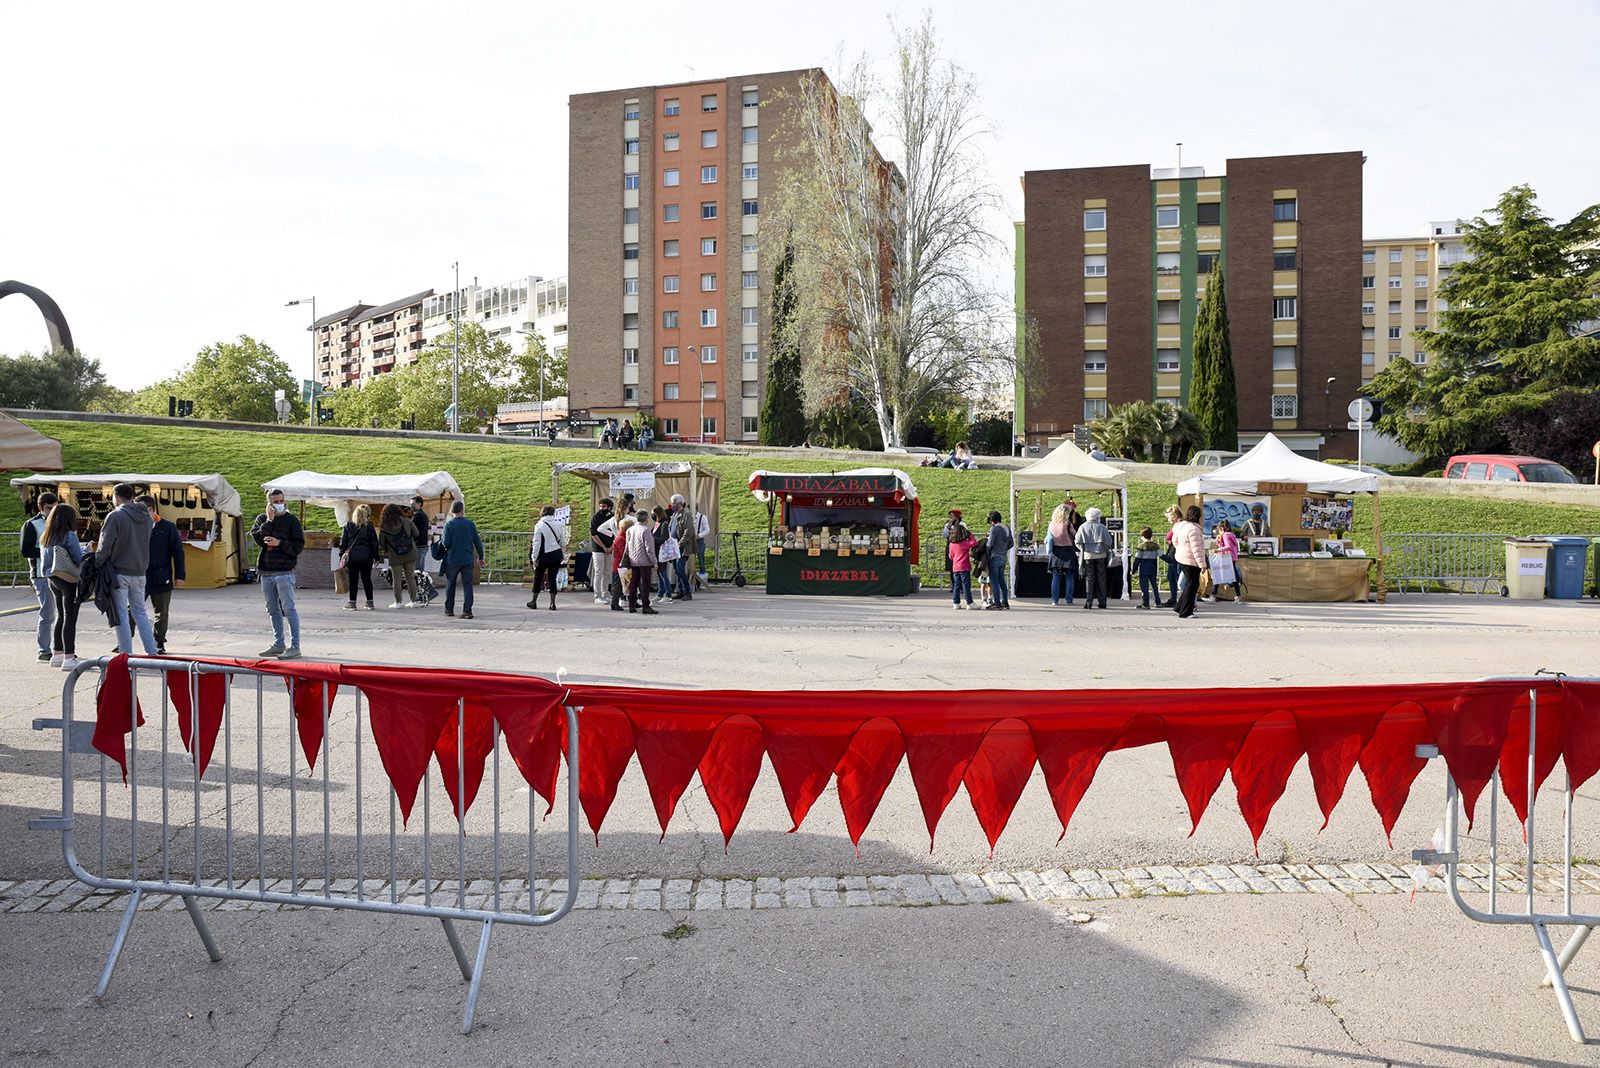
column 1113, row 262
column 357, row 343
column 670, row 292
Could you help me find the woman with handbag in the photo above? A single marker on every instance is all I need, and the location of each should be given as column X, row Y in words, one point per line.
column 1058, row 544
column 668, row 549
column 61, row 562
column 1189, row 542
column 358, row 550
column 546, row 554
column 620, row 573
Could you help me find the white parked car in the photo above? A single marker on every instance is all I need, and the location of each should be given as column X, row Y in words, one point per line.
column 1213, row 458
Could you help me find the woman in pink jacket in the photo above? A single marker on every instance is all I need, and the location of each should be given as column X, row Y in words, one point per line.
column 1189, row 542
column 1228, row 545
column 961, row 543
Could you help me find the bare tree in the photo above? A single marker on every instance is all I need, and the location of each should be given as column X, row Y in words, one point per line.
column 889, row 272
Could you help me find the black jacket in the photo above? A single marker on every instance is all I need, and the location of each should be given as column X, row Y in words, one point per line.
column 601, row 517
column 276, row 559
column 419, row 519
column 30, row 544
column 166, row 558
column 360, row 541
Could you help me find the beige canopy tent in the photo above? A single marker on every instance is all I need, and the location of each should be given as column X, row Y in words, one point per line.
column 24, row 449
column 204, row 508
column 343, row 493
column 1068, row 469
column 651, row 483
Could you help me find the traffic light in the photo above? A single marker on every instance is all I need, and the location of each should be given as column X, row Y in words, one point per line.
column 186, row 409
column 172, row 407
column 179, row 409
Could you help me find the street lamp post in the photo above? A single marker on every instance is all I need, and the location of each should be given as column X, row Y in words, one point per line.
column 311, row 404
column 701, row 368
column 525, row 332
column 455, row 359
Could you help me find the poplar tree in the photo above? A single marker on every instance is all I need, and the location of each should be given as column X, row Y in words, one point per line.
column 783, row 417
column 1213, row 395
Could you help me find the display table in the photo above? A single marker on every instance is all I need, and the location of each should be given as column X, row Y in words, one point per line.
column 1275, row 579
column 1033, row 576
column 829, row 571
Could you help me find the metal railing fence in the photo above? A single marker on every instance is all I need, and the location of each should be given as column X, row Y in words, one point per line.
column 1463, row 563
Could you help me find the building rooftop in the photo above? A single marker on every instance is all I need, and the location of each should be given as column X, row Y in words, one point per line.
column 393, row 305
column 339, row 316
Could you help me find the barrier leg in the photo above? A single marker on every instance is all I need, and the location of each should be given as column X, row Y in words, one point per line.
column 200, row 925
column 1559, row 982
column 117, row 943
column 1569, row 951
column 477, row 977
column 455, row 947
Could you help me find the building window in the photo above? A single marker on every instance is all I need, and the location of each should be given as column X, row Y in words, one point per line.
column 669, row 355
column 630, row 251
column 1209, row 214
column 708, row 283
column 750, row 316
column 708, row 317
column 1167, row 263
column 669, row 142
column 1369, row 308
column 1419, row 281
column 669, row 247
column 752, row 98
column 708, row 102
column 1167, row 360
column 672, row 108
column 708, row 175
column 708, row 354
column 1394, row 332
column 630, row 216
column 1094, row 362
column 1283, row 260
column 1419, row 357
column 669, row 320
column 749, row 423
column 630, row 111
column 751, row 171
column 630, row 320
column 669, row 177
column 1206, row 262
column 1394, row 255
column 749, row 390
column 1283, row 358
column 630, row 394
column 1285, row 210
column 1094, row 314
column 630, row 146
column 1420, row 307
column 748, row 280
column 630, row 357
column 1167, row 311
column 1093, row 409
column 1367, row 359
column 751, row 207
column 752, row 135
column 708, row 246
column 1094, row 266
column 708, row 390
column 708, row 426
column 708, row 209
column 1394, row 307
column 1369, row 256
column 1421, row 255
column 1368, row 281
column 669, row 391
column 630, row 181
column 630, row 287
column 1286, row 405
column 1166, row 217
column 669, row 427
column 1394, row 283
column 708, row 139
column 752, row 354
column 1094, row 219
column 1367, row 333
column 1284, row 307
column 669, row 213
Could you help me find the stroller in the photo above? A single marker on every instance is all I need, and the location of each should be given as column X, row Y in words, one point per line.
column 426, row 591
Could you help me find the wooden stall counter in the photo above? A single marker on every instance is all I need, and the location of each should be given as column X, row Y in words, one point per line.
column 1280, row 580
column 829, row 571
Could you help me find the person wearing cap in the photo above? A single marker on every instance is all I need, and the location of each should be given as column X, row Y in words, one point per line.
column 1257, row 526
column 1074, row 518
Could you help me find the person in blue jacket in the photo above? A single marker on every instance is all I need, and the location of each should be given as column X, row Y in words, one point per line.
column 463, row 549
column 165, row 570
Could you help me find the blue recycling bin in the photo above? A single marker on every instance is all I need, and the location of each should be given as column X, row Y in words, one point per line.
column 1563, row 577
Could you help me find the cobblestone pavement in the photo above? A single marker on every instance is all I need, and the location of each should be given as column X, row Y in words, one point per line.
column 804, row 892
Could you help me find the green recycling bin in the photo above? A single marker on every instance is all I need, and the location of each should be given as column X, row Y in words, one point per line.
column 1569, row 556
column 1527, row 560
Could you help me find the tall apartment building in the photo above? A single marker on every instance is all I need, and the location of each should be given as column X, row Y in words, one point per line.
column 357, row 343
column 1400, row 279
column 1113, row 262
column 532, row 302
column 669, row 289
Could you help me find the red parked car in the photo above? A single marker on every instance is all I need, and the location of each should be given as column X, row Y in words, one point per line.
column 1494, row 467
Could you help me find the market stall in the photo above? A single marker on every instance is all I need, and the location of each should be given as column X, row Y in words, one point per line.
column 852, row 532
column 1067, row 469
column 1307, row 509
column 204, row 508
column 651, row 483
column 343, row 493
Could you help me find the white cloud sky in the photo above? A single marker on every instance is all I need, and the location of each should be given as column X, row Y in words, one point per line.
column 174, row 174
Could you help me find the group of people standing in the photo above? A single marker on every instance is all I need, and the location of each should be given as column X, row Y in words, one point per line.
column 639, row 551
column 138, row 557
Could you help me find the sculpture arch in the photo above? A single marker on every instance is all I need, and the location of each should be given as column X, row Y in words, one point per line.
column 55, row 323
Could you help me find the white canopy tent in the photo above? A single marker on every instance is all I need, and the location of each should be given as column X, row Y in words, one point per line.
column 1273, row 461
column 1068, row 468
column 343, row 492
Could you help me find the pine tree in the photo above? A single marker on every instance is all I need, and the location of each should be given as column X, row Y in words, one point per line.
column 783, row 418
column 1213, row 396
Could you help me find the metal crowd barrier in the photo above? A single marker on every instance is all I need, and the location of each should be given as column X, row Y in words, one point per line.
column 1465, row 563
column 251, row 871
column 1507, row 882
column 13, row 568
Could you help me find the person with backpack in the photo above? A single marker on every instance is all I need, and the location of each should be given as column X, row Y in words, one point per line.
column 999, row 544
column 547, row 553
column 397, row 541
column 61, row 562
column 1094, row 543
column 31, row 531
column 281, row 539
column 463, row 553
column 358, row 548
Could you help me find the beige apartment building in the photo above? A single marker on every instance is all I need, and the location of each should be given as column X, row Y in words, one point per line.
column 358, row 343
column 1400, row 279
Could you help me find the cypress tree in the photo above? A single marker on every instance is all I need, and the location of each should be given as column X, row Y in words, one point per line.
column 1213, row 395
column 783, row 418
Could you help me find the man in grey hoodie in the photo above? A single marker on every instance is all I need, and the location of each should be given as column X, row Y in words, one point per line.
column 124, row 547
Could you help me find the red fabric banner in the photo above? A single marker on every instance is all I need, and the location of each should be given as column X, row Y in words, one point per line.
column 988, row 741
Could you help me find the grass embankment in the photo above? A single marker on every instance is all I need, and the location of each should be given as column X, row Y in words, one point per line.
column 501, row 482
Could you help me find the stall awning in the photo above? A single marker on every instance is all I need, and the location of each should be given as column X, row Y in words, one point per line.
column 224, row 498
column 24, row 449
column 331, row 491
column 1068, row 468
column 1273, row 461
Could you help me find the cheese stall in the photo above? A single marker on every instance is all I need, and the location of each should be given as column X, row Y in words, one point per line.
column 852, row 533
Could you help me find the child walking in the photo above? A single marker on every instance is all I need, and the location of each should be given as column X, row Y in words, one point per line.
column 1146, row 559
column 961, row 543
